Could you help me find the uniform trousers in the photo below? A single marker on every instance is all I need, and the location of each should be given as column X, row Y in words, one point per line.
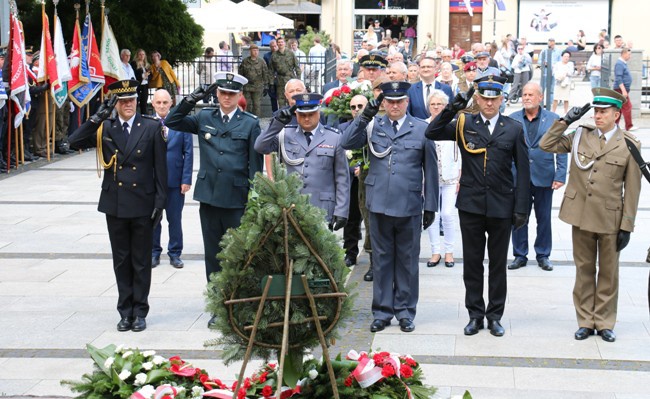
column 174, row 216
column 131, row 247
column 214, row 223
column 254, row 102
column 595, row 293
column 352, row 230
column 474, row 228
column 542, row 199
column 396, row 252
column 367, row 246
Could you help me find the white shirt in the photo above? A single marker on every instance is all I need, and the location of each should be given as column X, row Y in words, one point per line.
column 608, row 135
column 317, row 54
column 230, row 115
column 400, row 122
column 424, row 91
column 128, row 71
column 130, row 122
column 493, row 122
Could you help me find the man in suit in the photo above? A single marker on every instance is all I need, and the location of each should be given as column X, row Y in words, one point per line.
column 600, row 202
column 547, row 173
column 180, row 158
column 343, row 73
column 490, row 199
column 401, row 161
column 419, row 92
column 132, row 152
column 228, row 160
column 310, row 143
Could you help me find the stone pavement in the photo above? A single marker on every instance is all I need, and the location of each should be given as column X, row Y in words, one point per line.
column 57, row 293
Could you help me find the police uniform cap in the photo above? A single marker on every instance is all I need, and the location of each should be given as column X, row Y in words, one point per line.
column 307, row 102
column 604, row 98
column 470, row 66
column 467, row 58
column 231, row 82
column 395, row 90
column 482, row 54
column 490, row 86
column 124, row 89
column 253, row 47
column 36, row 56
column 373, row 61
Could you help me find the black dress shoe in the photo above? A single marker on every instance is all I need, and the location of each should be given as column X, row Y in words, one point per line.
column 350, row 261
column 406, row 325
column 495, row 328
column 155, row 261
column 583, row 333
column 379, row 325
column 545, row 264
column 517, row 263
column 368, row 275
column 432, row 263
column 473, row 326
column 607, row 335
column 125, row 324
column 449, row 264
column 176, row 262
column 140, row 324
column 212, row 322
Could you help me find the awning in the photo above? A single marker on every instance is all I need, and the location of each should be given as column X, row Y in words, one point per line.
column 293, row 7
column 223, row 16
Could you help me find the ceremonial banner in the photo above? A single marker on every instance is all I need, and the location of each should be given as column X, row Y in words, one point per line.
column 62, row 66
column 79, row 88
column 19, row 84
column 110, row 55
column 48, row 70
column 94, row 60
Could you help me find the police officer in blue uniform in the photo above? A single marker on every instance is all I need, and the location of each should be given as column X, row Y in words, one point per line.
column 228, row 160
column 489, row 200
column 133, row 152
column 314, row 152
column 401, row 159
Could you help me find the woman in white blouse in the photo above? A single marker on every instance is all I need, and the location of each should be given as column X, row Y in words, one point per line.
column 563, row 71
column 593, row 65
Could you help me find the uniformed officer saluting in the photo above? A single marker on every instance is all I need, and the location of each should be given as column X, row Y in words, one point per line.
column 401, row 159
column 600, row 202
column 228, row 160
column 489, row 200
column 133, row 152
column 314, row 152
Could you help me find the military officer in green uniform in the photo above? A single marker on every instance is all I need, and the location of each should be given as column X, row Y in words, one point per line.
column 228, row 159
column 255, row 70
column 284, row 66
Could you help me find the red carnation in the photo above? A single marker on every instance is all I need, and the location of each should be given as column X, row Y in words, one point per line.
column 241, row 394
column 263, row 376
column 406, row 371
column 337, row 93
column 348, row 381
column 388, row 371
column 247, row 383
column 267, row 391
column 409, row 361
column 345, row 89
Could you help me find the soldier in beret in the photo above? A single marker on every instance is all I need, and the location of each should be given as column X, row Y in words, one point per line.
column 133, row 152
column 600, row 202
column 228, row 160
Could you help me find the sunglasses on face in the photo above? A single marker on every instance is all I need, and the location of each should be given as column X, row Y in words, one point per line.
column 353, row 106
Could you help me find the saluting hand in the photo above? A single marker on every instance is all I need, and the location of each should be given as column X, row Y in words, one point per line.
column 461, row 100
column 575, row 113
column 372, row 108
column 104, row 110
column 285, row 115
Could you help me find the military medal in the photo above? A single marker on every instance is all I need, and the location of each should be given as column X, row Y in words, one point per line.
column 208, row 136
column 471, row 145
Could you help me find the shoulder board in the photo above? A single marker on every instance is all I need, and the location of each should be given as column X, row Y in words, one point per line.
column 290, row 127
column 631, row 136
column 588, row 126
column 149, row 117
column 249, row 114
column 333, row 129
column 209, row 109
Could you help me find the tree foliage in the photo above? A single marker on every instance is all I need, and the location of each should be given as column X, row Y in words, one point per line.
column 307, row 40
column 163, row 25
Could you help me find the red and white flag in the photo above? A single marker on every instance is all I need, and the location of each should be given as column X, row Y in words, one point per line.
column 19, row 83
column 48, row 71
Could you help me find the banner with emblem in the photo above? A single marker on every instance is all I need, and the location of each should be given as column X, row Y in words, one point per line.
column 62, row 65
column 48, row 71
column 110, row 55
column 19, row 84
column 95, row 69
column 79, row 88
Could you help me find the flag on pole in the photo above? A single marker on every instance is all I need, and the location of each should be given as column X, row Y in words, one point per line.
column 468, row 5
column 19, row 84
column 48, row 70
column 110, row 55
column 94, row 60
column 79, row 88
column 62, row 66
column 501, row 5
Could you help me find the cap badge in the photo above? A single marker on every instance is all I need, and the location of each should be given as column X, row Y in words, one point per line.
column 395, row 85
column 125, row 84
column 230, row 76
column 372, row 58
column 305, row 97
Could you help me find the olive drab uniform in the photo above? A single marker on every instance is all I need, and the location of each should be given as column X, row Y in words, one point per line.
column 259, row 78
column 284, row 67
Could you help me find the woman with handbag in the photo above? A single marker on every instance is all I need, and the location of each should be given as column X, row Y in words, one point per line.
column 563, row 71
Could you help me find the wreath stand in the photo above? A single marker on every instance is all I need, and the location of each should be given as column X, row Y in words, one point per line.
column 292, row 291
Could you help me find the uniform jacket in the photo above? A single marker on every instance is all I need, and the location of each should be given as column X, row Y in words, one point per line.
column 545, row 168
column 284, row 64
column 604, row 198
column 257, row 73
column 139, row 183
column 492, row 192
column 394, row 185
column 324, row 172
column 180, row 158
column 228, row 160
column 418, row 106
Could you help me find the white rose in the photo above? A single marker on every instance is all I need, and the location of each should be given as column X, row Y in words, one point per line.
column 197, row 392
column 140, row 379
column 109, row 362
column 119, row 349
column 148, row 353
column 127, row 354
column 124, row 375
column 147, row 391
column 147, row 366
column 313, row 374
column 348, row 153
column 158, row 360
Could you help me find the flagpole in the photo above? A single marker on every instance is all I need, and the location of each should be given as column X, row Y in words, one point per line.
column 43, row 64
column 87, row 103
column 101, row 92
column 13, row 10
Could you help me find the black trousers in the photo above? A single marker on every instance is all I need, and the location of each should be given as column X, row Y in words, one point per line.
column 131, row 246
column 214, row 223
column 352, row 231
column 474, row 229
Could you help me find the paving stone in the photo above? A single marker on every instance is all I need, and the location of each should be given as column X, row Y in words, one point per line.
column 468, row 376
column 392, row 340
column 484, row 344
column 493, row 393
column 582, row 380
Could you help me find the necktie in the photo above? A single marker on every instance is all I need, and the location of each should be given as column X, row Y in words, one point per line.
column 225, row 119
column 428, row 92
column 603, row 141
column 308, row 137
column 395, row 127
column 487, row 125
column 125, row 129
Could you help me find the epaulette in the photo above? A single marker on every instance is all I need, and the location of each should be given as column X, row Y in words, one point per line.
column 332, row 128
column 587, row 126
column 249, row 114
column 150, row 117
column 290, row 127
column 631, row 136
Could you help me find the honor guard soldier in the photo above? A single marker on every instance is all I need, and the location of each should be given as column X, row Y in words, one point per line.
column 489, row 200
column 132, row 149
column 600, row 202
column 401, row 160
column 228, row 160
column 314, row 152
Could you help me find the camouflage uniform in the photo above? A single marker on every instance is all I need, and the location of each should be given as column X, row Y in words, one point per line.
column 257, row 73
column 284, row 66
